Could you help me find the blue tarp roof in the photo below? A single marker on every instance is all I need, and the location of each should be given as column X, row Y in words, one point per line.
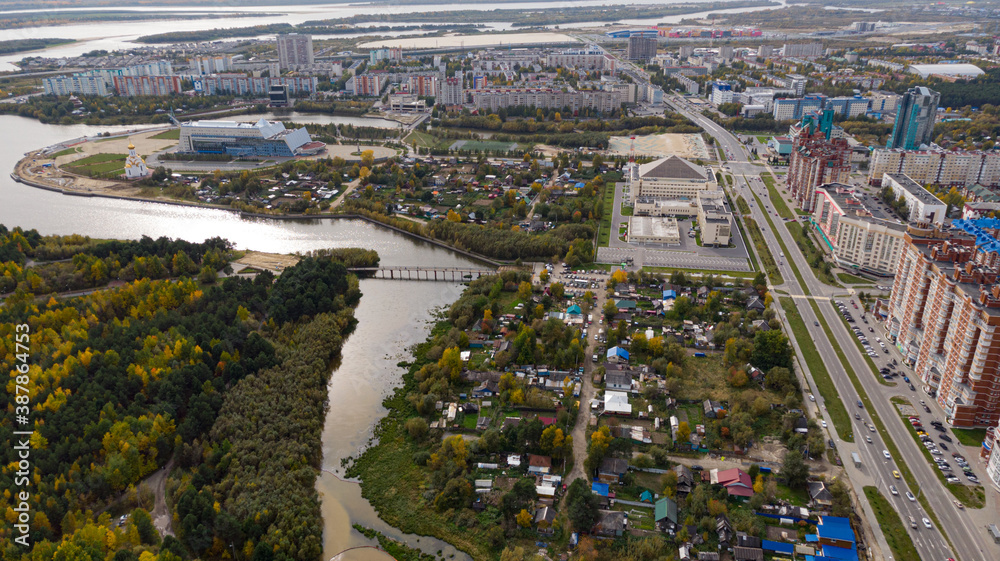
column 812, row 538
column 669, row 294
column 600, row 489
column 984, row 240
column 769, row 545
column 580, row 185
column 618, row 351
column 835, row 528
column 840, row 553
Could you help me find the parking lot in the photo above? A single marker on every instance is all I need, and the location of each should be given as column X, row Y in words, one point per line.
column 685, row 255
column 867, row 331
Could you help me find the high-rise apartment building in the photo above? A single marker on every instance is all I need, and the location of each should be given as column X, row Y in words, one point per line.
column 802, row 49
column 816, row 159
column 915, row 114
column 862, row 237
column 641, row 48
column 452, row 91
column 944, row 316
column 939, row 167
column 294, row 50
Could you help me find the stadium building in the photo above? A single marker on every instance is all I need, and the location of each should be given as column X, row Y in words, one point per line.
column 260, row 139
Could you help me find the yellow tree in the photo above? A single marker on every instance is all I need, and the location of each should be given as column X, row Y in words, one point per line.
column 683, row 431
column 524, row 519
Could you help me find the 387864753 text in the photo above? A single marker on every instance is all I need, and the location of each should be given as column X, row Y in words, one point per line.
column 22, row 438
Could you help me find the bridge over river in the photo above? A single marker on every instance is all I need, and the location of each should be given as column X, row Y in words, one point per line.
column 440, row 274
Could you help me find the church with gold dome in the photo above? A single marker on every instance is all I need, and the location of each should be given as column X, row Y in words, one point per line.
column 135, row 167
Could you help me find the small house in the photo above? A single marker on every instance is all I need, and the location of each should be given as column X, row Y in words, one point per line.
column 736, row 481
column 756, row 303
column 708, row 556
column 748, row 554
column 746, row 540
column 610, row 523
column 665, row 514
column 724, row 529
column 625, row 306
column 612, row 470
column 685, row 480
column 618, row 380
column 486, row 389
column 544, row 517
column 616, row 403
column 617, row 354
column 711, row 408
column 819, row 494
column 539, row 465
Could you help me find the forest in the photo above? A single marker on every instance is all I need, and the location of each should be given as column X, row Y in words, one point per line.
column 207, row 376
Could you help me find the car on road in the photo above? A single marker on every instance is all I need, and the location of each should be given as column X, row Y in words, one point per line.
column 823, row 423
column 857, row 416
column 812, row 397
column 871, row 428
column 892, row 489
column 944, row 446
column 886, row 454
column 816, row 323
column 910, row 496
column 861, row 405
column 895, row 474
column 927, row 522
column 913, row 523
column 868, row 438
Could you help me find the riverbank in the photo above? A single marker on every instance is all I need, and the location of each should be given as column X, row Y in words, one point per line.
column 120, row 193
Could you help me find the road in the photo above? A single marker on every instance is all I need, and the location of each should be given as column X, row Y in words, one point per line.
column 587, row 390
column 965, row 528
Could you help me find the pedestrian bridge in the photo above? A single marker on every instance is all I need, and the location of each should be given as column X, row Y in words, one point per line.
column 441, row 274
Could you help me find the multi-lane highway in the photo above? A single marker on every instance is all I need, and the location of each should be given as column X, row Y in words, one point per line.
column 967, row 534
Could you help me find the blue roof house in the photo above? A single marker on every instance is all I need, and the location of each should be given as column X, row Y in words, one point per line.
column 617, row 354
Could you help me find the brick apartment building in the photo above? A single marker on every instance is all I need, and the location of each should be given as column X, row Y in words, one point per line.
column 816, row 160
column 944, row 316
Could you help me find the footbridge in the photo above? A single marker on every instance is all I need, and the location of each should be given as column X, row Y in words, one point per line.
column 440, row 274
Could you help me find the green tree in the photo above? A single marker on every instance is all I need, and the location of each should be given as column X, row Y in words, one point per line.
column 770, row 349
column 524, row 291
column 582, row 506
column 794, row 470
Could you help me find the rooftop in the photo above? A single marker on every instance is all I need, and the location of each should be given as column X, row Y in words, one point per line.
column 946, row 69
column 914, row 188
column 673, row 167
column 644, row 227
column 859, row 204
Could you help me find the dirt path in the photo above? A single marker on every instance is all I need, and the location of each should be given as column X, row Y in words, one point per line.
column 587, row 393
column 347, row 190
column 161, row 514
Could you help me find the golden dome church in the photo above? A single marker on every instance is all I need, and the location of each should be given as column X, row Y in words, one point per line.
column 135, row 167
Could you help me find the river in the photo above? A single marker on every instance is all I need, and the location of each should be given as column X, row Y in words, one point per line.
column 392, row 316
column 112, row 36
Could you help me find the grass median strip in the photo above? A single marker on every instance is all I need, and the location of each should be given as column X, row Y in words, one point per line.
column 770, row 265
column 814, row 256
column 824, row 383
column 892, row 526
column 776, row 200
